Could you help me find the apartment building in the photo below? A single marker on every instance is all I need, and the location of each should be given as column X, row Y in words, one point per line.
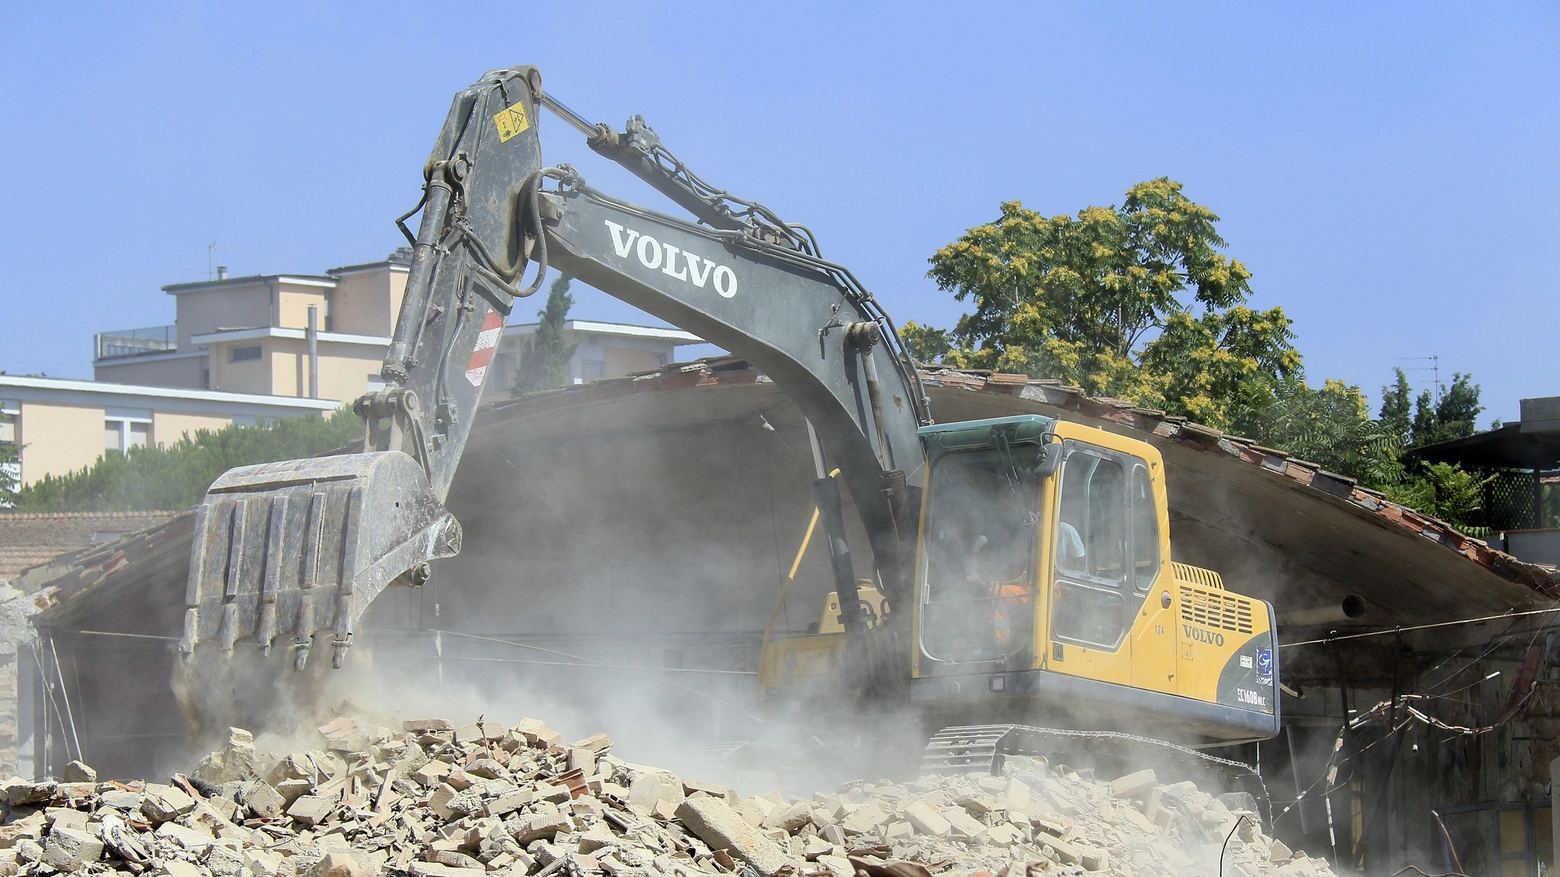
column 251, row 335
column 63, row 425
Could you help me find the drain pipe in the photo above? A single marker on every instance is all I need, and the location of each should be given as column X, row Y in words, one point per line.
column 313, row 337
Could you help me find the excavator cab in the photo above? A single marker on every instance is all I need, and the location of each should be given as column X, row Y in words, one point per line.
column 1045, row 587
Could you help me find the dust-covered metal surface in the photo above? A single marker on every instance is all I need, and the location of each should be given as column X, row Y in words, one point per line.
column 299, row 546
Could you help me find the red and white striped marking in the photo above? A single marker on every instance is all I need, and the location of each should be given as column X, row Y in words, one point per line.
column 487, row 342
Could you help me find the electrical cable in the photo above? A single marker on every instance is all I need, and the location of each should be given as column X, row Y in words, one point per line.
column 1226, row 846
column 1396, row 630
column 1494, row 643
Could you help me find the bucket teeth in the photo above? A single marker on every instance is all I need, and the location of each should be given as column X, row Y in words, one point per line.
column 227, row 633
column 302, row 547
column 338, row 652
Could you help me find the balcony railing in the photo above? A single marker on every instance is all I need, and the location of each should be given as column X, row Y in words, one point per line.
column 134, row 342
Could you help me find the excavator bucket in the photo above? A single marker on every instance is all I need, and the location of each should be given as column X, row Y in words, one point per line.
column 303, row 546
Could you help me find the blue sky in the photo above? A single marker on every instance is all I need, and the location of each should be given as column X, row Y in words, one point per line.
column 1389, row 172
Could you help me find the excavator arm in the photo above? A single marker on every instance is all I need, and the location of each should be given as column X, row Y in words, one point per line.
column 301, row 547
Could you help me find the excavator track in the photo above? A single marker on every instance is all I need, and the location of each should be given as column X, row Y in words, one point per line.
column 967, row 749
column 982, row 748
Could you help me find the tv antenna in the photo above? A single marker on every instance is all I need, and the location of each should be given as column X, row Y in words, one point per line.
column 1434, row 368
column 211, row 252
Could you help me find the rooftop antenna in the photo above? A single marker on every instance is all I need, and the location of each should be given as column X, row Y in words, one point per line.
column 211, row 252
column 1434, row 368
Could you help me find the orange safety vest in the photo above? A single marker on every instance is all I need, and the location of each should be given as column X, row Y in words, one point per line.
column 1012, row 600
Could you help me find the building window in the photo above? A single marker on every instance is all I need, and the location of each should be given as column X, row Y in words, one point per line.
column 592, row 370
column 121, row 435
column 247, row 353
column 660, row 360
column 9, row 413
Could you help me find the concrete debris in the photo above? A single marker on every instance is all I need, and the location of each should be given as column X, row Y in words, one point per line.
column 235, row 761
column 439, row 800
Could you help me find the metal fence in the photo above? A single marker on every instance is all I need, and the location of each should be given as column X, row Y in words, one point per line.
column 133, row 342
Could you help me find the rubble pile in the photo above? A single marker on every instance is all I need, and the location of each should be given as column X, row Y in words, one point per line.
column 435, row 800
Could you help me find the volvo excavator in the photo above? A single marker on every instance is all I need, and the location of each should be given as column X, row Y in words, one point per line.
column 1020, row 566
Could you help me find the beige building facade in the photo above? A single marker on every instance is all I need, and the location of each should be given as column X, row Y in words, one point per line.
column 250, row 335
column 63, row 426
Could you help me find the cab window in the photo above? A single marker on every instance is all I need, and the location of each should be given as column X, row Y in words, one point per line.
column 982, row 532
column 1145, row 528
column 1107, row 536
column 1091, row 533
column 1091, row 551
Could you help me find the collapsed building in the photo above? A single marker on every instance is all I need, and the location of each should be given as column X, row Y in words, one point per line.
column 626, row 543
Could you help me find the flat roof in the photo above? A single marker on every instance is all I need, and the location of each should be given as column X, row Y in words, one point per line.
column 278, row 332
column 400, row 260
column 66, row 385
column 250, row 280
column 626, row 330
column 1510, row 447
column 147, row 356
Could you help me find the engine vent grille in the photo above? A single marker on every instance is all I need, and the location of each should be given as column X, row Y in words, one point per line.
column 1196, row 575
column 1215, row 609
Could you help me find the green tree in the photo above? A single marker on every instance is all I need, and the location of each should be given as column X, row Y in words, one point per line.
column 544, row 357
column 176, row 476
column 1135, row 302
column 1397, row 407
column 10, row 463
column 1453, row 416
column 1331, row 427
column 1138, row 302
column 924, row 343
column 1445, row 491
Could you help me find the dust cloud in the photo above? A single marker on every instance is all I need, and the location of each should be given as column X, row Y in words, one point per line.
column 619, row 569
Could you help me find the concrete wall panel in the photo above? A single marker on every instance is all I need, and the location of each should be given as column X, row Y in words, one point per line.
column 239, row 307
column 185, row 372
column 168, row 428
column 58, row 439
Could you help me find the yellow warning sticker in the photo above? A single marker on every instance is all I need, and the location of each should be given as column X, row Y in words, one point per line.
column 511, row 121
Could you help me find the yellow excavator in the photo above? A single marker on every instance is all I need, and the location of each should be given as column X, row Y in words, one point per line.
column 1020, row 567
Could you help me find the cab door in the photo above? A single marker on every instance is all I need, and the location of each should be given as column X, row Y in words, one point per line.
column 1153, row 636
column 1107, row 562
column 1091, row 596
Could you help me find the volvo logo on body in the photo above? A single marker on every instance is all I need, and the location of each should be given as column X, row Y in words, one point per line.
column 1203, row 636
column 673, row 261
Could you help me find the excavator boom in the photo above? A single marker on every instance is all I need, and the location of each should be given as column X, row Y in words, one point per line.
column 289, row 550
